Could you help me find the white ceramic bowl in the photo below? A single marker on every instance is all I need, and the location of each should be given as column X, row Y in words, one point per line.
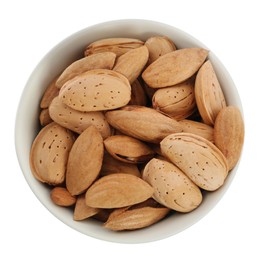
column 27, row 123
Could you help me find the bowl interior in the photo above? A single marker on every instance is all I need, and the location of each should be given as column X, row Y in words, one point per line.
column 27, row 125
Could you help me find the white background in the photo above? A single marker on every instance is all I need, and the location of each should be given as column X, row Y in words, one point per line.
column 29, row 29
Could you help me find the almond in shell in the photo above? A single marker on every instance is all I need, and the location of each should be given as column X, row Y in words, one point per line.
column 131, row 218
column 138, row 96
column 44, row 117
column 85, row 160
column 117, row 191
column 208, row 93
column 177, row 101
column 172, row 188
column 49, row 153
column 119, row 46
column 158, row 46
column 142, row 123
column 132, row 63
column 61, row 197
column 128, row 149
column 96, row 90
column 229, row 134
column 78, row 121
column 103, row 60
column 174, row 67
column 198, row 158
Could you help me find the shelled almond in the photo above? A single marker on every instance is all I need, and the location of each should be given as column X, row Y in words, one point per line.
column 135, row 131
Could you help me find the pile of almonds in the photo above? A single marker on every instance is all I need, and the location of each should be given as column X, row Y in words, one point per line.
column 135, row 131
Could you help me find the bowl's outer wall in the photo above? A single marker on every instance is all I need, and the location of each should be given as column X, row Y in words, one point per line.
column 27, row 126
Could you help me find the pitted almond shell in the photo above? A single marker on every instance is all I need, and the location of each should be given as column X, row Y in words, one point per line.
column 143, row 123
column 158, row 46
column 177, row 101
column 208, row 93
column 198, row 158
column 138, row 96
column 111, row 165
column 50, row 93
column 172, row 188
column 78, row 121
column 49, row 153
column 174, row 67
column 82, row 211
column 103, row 60
column 229, row 134
column 128, row 149
column 117, row 191
column 119, row 46
column 61, row 197
column 132, row 63
column 96, row 90
column 44, row 117
column 131, row 219
column 198, row 128
column 85, row 160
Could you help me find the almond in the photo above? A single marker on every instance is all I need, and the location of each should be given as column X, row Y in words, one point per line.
column 174, row 67
column 103, row 60
column 118, row 190
column 208, row 93
column 44, row 117
column 138, row 96
column 82, row 211
column 142, row 123
column 128, row 149
column 85, row 160
column 198, row 158
column 132, row 63
column 78, row 121
column 119, row 46
column 172, row 188
column 229, row 134
column 177, row 101
column 96, row 90
column 49, row 153
column 158, row 46
column 61, row 197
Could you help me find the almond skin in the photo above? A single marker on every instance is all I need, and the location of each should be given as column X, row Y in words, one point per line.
column 118, row 190
column 96, row 90
column 198, row 158
column 174, row 67
column 85, row 160
column 61, row 197
column 229, row 134
column 103, row 60
column 49, row 153
column 78, row 121
column 143, row 123
column 172, row 188
column 132, row 63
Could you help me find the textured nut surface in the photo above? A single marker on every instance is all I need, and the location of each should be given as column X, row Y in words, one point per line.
column 172, row 188
column 118, row 190
column 229, row 134
column 96, row 90
column 61, row 197
column 128, row 149
column 50, row 93
column 103, row 60
column 174, row 67
column 177, row 101
column 208, row 93
column 118, row 46
column 132, row 63
column 85, row 160
column 198, row 158
column 78, row 121
column 142, row 123
column 49, row 153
